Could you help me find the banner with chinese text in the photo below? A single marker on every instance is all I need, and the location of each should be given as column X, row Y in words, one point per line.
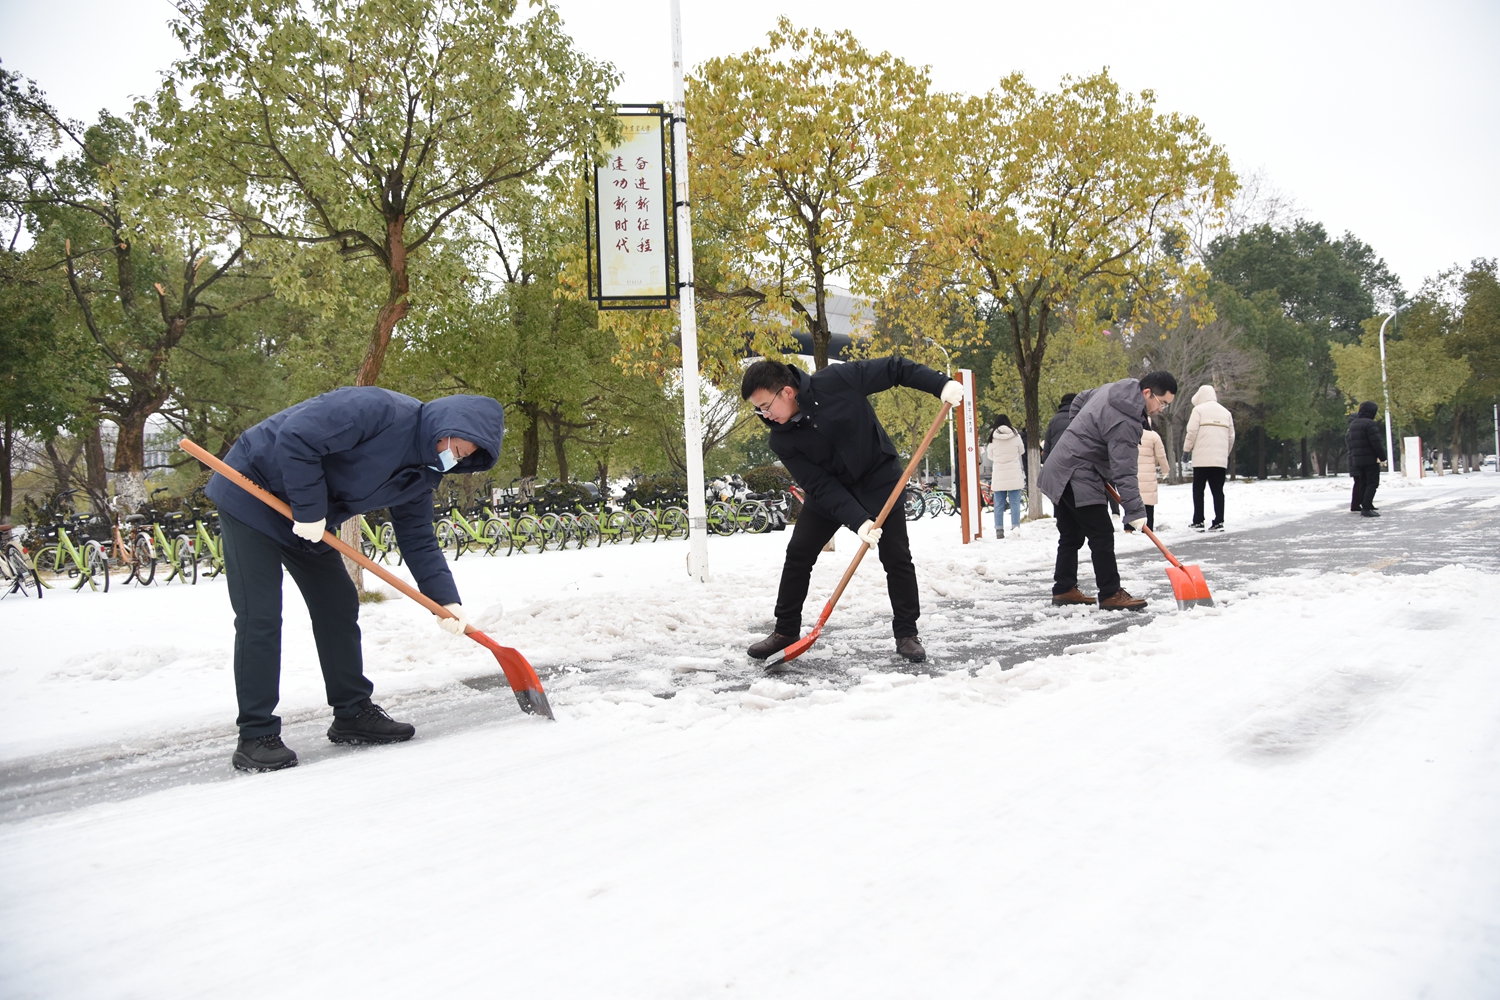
column 630, row 227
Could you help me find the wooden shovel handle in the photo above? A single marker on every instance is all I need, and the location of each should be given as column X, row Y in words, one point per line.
column 890, row 503
column 345, row 549
column 1149, row 533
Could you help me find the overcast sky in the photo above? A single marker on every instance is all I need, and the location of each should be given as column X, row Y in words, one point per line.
column 1379, row 118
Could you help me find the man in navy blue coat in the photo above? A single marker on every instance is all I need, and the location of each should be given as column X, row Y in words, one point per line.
column 825, row 432
column 331, row 458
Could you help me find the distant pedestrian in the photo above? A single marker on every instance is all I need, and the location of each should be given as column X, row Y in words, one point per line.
column 1210, row 439
column 1102, row 444
column 1366, row 452
column 1153, row 458
column 1058, row 423
column 1006, row 452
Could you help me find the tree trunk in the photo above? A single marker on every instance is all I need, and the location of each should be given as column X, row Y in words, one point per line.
column 7, row 484
column 1457, row 445
column 559, row 445
column 130, row 461
column 96, row 475
column 395, row 307
column 1260, row 458
column 531, row 446
column 1306, row 468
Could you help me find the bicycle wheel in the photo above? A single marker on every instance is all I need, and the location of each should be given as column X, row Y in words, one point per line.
column 554, row 535
column 95, row 567
column 143, row 561
column 528, row 536
column 913, row 506
column 934, row 502
column 496, row 537
column 614, row 528
column 22, row 575
column 387, row 535
column 369, row 548
column 758, row 516
column 46, row 561
column 950, row 506
column 643, row 526
column 446, row 536
column 184, row 559
column 673, row 523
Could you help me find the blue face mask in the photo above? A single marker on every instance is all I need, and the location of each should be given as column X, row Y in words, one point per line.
column 446, row 460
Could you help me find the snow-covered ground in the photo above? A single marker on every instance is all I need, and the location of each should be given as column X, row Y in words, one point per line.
column 1289, row 795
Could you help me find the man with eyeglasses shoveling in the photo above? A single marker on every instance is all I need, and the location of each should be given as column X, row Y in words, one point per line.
column 825, row 432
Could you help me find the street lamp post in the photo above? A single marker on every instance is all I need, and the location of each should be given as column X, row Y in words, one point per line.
column 1390, row 449
column 952, row 454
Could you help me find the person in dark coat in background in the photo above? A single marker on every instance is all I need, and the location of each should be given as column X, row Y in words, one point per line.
column 1058, row 424
column 1101, row 445
column 333, row 457
column 1366, row 451
column 825, row 432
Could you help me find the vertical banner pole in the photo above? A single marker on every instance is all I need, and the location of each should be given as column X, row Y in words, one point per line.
column 971, row 416
column 692, row 418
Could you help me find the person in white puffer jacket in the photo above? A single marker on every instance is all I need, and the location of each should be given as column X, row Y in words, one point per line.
column 1210, row 439
column 1008, row 477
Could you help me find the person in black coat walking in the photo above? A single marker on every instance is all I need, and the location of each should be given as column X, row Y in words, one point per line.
column 1058, row 424
column 331, row 458
column 1366, row 451
column 825, row 432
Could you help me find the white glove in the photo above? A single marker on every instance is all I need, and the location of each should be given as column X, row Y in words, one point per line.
column 869, row 534
column 1139, row 524
column 310, row 530
column 953, row 393
column 456, row 624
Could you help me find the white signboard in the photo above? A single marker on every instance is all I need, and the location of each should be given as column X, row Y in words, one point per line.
column 634, row 212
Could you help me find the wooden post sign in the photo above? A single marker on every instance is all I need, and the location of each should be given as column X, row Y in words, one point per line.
column 969, row 519
column 628, row 229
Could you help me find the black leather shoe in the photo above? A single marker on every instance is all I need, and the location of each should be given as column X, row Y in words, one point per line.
column 263, row 753
column 771, row 644
column 370, row 725
column 1369, row 513
column 911, row 648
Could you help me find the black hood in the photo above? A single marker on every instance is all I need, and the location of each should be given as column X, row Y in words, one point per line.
column 474, row 418
column 1368, row 410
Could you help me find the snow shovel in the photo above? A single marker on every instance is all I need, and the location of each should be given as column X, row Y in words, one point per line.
column 803, row 644
column 523, row 679
column 1188, row 585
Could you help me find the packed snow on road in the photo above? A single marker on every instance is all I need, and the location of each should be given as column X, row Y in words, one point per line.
column 1290, row 794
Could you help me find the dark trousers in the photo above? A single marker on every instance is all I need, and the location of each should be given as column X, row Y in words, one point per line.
column 252, row 564
column 1151, row 516
column 1075, row 525
column 811, row 533
column 1214, row 478
column 1366, row 482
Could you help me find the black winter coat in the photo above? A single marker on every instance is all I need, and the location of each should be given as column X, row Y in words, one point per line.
column 1055, row 428
column 1366, row 442
column 836, row 449
column 355, row 450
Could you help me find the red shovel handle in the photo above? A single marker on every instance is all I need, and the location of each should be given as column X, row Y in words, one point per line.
column 1149, row 533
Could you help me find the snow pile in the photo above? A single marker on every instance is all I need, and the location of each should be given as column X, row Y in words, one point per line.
column 1291, row 795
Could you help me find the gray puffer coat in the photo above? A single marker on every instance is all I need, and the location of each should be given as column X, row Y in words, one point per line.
column 1102, row 443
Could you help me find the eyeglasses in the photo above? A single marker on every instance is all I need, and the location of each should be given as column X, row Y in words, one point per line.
column 765, row 411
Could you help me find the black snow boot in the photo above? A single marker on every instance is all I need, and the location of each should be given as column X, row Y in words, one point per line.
column 371, row 725
column 773, row 643
column 263, row 753
column 911, row 648
column 1372, row 512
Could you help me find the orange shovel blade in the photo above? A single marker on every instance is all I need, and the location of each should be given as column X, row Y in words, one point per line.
column 519, row 672
column 1189, row 587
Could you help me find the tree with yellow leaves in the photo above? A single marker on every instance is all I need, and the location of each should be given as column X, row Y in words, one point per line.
column 1072, row 201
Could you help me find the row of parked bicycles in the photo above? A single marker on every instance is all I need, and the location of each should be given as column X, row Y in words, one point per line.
column 91, row 549
column 529, row 517
column 183, row 545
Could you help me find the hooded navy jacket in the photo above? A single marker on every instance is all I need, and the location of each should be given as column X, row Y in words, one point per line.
column 355, row 450
column 835, row 448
